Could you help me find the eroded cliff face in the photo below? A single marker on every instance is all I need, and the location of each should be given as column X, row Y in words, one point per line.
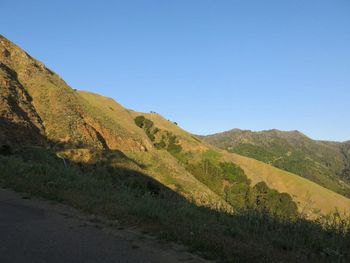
column 39, row 106
column 19, row 121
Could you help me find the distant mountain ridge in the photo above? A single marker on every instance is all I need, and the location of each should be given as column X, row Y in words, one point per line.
column 324, row 162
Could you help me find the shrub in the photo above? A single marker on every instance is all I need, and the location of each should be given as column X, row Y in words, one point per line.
column 173, row 147
column 230, row 181
column 147, row 125
column 271, row 201
column 139, row 121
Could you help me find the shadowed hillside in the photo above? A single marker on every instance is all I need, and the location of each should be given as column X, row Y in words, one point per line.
column 114, row 186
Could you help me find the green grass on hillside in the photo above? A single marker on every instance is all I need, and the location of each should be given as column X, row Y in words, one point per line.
column 321, row 162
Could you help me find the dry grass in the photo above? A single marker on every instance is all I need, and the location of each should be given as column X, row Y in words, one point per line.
column 117, row 113
column 310, row 196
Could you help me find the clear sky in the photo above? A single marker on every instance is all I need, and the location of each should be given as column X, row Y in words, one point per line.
column 208, row 65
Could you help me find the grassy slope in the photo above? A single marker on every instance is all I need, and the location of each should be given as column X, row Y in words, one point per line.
column 307, row 194
column 188, row 141
column 87, row 120
column 158, row 163
column 318, row 161
column 117, row 115
column 310, row 196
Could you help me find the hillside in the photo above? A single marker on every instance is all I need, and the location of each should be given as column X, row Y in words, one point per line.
column 39, row 104
column 325, row 163
column 88, row 151
column 310, row 196
column 77, row 123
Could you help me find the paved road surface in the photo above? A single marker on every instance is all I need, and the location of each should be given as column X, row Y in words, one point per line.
column 33, row 230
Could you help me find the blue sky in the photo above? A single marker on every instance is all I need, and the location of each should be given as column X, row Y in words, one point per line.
column 208, row 65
